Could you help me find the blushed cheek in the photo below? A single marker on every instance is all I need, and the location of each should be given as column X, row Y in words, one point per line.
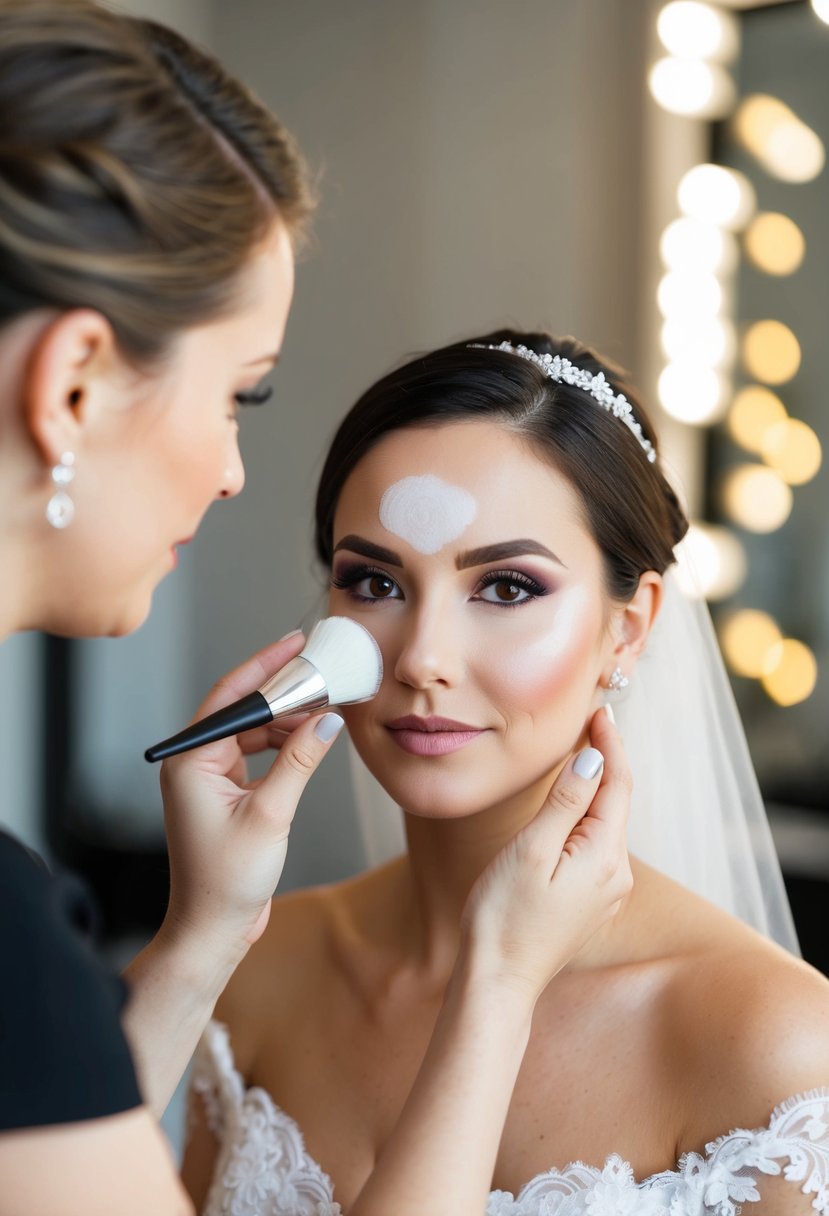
column 547, row 664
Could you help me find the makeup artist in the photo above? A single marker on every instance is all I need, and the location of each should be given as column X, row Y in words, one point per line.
column 149, row 212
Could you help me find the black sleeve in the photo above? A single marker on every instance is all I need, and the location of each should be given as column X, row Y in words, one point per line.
column 63, row 1055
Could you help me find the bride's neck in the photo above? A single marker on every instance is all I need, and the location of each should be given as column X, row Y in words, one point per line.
column 445, row 858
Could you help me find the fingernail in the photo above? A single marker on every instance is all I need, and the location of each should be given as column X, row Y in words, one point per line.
column 292, row 634
column 588, row 763
column 609, row 711
column 328, row 727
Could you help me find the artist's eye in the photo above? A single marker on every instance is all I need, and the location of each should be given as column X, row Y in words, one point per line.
column 508, row 588
column 254, row 396
column 366, row 584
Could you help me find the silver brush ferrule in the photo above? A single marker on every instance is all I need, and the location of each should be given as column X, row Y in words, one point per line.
column 298, row 686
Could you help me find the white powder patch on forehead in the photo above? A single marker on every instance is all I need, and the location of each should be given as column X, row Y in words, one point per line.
column 426, row 512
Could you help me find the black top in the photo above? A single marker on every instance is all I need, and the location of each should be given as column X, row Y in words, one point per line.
column 63, row 1055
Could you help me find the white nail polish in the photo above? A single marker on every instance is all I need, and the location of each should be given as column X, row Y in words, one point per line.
column 328, row 727
column 588, row 763
column 609, row 711
column 294, row 633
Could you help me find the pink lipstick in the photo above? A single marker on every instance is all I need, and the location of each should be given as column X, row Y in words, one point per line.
column 431, row 736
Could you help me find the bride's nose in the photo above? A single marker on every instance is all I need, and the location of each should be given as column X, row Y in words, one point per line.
column 430, row 649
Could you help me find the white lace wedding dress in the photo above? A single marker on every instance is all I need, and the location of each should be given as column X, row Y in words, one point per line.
column 263, row 1168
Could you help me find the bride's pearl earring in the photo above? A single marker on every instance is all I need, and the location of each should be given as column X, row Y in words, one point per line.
column 60, row 509
column 618, row 680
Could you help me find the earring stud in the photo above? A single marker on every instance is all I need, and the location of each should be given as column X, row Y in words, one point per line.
column 60, row 509
column 618, row 680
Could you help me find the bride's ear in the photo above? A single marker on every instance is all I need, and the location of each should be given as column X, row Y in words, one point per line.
column 635, row 622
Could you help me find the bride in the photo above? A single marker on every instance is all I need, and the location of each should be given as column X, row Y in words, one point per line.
column 494, row 512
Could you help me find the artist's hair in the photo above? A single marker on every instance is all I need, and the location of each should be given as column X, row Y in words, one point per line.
column 136, row 175
column 629, row 506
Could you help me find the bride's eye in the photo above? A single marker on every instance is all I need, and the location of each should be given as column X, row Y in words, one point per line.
column 367, row 585
column 509, row 588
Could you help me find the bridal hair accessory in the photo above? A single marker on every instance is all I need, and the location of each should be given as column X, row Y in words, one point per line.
column 618, row 680
column 60, row 509
column 598, row 386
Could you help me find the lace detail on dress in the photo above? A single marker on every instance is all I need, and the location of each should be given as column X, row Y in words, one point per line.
column 263, row 1168
column 794, row 1145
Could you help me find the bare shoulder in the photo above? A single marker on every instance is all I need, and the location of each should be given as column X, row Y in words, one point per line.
column 755, row 1031
column 293, row 968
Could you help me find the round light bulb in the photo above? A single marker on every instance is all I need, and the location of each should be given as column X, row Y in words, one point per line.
column 717, row 196
column 756, row 498
column 774, row 243
column 689, row 28
column 789, row 672
column 794, row 152
column 688, row 244
column 691, row 393
column 692, row 87
column 754, row 411
column 771, row 352
column 686, row 295
column 712, row 342
column 793, row 450
column 711, row 562
column 747, row 637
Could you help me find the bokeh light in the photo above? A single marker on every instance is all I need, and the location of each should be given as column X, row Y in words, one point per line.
column 687, row 295
column 747, row 637
column 693, row 29
column 754, row 411
column 692, row 87
column 771, row 352
column 794, row 153
column 688, row 244
column 784, row 145
column 756, row 497
column 691, row 393
column 789, row 672
column 712, row 343
column 821, row 7
column 711, row 562
column 793, row 450
column 717, row 196
column 774, row 243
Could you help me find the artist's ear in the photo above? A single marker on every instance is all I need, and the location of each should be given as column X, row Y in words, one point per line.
column 635, row 622
column 65, row 379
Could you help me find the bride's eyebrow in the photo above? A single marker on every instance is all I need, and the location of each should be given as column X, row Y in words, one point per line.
column 356, row 544
column 504, row 550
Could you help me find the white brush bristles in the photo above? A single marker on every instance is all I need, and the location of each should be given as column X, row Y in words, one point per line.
column 347, row 657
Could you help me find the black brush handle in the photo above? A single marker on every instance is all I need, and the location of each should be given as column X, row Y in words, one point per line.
column 252, row 710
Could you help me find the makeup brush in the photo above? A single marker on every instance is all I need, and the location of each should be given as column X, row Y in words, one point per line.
column 340, row 665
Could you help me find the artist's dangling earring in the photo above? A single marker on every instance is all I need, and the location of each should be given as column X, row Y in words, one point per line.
column 618, row 680
column 60, row 509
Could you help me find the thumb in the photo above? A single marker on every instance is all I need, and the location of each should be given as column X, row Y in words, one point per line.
column 298, row 758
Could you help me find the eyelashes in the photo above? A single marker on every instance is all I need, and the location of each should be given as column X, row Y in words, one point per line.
column 521, row 588
column 255, row 396
column 350, row 579
column 516, row 581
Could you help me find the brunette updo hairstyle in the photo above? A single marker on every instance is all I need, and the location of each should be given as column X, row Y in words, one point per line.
column 136, row 175
column 629, row 506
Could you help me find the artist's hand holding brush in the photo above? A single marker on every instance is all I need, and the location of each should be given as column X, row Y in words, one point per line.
column 227, row 840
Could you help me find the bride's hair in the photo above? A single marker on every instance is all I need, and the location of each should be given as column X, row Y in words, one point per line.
column 629, row 506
